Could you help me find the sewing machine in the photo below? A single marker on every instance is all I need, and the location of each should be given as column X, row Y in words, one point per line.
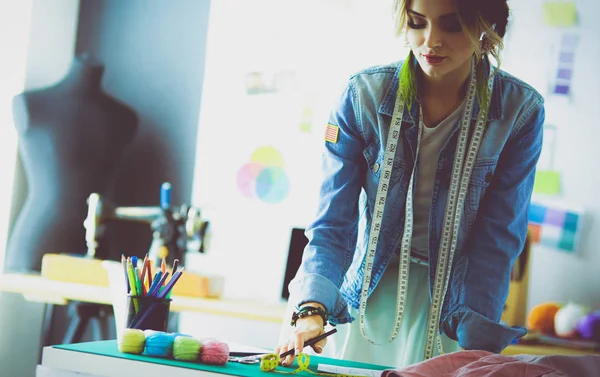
column 175, row 230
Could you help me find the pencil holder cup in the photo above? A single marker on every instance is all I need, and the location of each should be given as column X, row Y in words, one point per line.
column 148, row 313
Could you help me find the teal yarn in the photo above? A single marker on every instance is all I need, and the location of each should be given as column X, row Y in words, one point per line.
column 159, row 344
column 132, row 341
column 186, row 348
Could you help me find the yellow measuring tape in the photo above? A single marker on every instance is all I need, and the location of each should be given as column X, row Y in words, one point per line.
column 270, row 362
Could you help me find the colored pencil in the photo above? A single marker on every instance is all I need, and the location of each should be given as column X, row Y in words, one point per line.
column 124, row 263
column 143, row 275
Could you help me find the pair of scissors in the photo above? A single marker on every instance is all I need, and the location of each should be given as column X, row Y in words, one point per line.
column 252, row 359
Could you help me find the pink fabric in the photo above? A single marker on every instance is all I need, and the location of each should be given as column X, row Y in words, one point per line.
column 474, row 364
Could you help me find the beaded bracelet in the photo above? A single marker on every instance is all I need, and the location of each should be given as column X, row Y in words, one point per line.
column 307, row 311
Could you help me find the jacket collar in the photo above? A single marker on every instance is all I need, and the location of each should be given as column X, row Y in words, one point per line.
column 387, row 104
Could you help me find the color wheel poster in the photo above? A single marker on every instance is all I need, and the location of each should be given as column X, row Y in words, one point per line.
column 274, row 69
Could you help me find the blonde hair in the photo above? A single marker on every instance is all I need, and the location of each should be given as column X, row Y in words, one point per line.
column 484, row 24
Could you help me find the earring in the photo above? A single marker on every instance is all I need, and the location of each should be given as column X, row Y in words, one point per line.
column 486, row 45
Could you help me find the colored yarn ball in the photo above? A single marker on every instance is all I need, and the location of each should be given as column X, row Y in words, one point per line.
column 214, row 352
column 541, row 317
column 132, row 341
column 566, row 319
column 159, row 344
column 186, row 348
column 589, row 326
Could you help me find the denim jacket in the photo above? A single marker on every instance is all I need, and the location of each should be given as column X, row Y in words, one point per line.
column 494, row 220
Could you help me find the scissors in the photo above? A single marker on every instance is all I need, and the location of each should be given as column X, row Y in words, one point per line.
column 256, row 358
column 252, row 359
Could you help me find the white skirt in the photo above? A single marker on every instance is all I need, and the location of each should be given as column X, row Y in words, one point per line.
column 409, row 345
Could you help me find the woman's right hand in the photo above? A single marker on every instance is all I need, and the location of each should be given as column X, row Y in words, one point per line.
column 306, row 328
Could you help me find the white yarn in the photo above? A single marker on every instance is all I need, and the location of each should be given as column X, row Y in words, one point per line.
column 567, row 317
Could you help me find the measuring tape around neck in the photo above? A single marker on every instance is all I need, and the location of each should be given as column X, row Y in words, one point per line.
column 461, row 173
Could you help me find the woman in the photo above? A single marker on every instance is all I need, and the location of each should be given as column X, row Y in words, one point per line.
column 429, row 167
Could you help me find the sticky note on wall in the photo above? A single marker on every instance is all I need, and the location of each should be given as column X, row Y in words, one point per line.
column 547, row 182
column 560, row 13
column 566, row 64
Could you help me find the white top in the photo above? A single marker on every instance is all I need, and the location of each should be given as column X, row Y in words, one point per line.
column 432, row 141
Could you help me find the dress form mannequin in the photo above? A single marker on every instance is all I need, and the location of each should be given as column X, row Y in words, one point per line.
column 71, row 137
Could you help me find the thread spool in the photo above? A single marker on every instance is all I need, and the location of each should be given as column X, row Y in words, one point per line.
column 186, row 348
column 214, row 352
column 159, row 344
column 132, row 341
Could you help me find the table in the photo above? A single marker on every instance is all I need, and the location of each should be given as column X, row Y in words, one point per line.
column 102, row 359
column 36, row 288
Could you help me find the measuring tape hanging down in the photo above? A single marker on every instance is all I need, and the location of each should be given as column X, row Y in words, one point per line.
column 461, row 174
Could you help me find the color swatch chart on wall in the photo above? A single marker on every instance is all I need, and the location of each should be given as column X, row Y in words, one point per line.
column 555, row 227
column 566, row 64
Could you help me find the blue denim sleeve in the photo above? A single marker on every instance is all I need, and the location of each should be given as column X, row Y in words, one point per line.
column 332, row 236
column 498, row 237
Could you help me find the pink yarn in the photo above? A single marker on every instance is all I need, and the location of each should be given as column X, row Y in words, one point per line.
column 214, row 352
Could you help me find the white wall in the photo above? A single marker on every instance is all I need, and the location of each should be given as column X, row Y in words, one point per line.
column 556, row 275
column 342, row 38
column 15, row 21
column 14, row 38
column 52, row 43
column 50, row 49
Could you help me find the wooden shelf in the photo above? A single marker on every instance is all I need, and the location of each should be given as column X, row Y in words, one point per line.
column 37, row 288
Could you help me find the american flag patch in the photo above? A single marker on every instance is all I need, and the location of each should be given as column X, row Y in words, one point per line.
column 331, row 133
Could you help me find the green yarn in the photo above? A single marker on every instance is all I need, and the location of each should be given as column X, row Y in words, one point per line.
column 186, row 348
column 132, row 341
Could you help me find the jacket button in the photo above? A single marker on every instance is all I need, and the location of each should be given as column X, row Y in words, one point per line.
column 489, row 176
column 375, row 167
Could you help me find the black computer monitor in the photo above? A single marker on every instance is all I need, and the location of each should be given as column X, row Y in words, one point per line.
column 298, row 242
